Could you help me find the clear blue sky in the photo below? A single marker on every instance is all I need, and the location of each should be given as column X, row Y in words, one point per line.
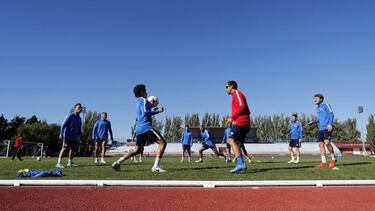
column 56, row 53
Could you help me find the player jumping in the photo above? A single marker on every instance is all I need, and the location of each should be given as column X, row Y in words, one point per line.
column 145, row 133
column 325, row 120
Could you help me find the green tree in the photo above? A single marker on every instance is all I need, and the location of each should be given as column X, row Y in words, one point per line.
column 176, row 129
column 194, row 120
column 167, row 128
column 33, row 119
column 158, row 125
column 84, row 144
column 371, row 130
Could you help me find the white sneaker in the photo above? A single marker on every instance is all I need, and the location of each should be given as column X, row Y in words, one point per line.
column 199, row 161
column 158, row 169
column 182, row 160
column 291, row 161
column 103, row 162
column 96, row 161
column 296, row 161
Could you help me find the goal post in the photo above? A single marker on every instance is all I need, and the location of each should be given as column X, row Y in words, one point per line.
column 4, row 148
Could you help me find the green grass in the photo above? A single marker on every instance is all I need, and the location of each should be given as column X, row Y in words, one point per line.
column 263, row 168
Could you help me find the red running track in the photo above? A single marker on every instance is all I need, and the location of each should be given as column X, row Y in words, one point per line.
column 119, row 198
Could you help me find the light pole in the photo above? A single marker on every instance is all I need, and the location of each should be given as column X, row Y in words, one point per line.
column 360, row 113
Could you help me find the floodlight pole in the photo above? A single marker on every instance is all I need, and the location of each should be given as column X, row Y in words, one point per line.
column 363, row 138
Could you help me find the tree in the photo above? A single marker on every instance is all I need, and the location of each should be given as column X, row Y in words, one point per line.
column 33, row 119
column 371, row 130
column 86, row 140
column 167, row 128
column 206, row 120
column 4, row 128
column 158, row 125
column 194, row 120
column 176, row 129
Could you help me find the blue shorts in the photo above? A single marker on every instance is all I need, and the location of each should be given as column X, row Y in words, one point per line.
column 148, row 138
column 69, row 143
column 205, row 146
column 294, row 143
column 238, row 133
column 324, row 135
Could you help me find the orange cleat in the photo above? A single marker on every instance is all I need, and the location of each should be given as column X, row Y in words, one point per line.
column 332, row 163
column 323, row 165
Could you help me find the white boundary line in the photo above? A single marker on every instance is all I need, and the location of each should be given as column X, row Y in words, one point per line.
column 205, row 184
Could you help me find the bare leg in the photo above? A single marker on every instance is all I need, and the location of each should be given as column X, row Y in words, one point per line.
column 104, row 148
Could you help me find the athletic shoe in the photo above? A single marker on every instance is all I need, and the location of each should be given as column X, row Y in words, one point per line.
column 199, row 161
column 332, row 163
column 182, row 160
column 239, row 168
column 296, row 161
column 96, row 161
column 291, row 161
column 60, row 166
column 140, row 161
column 103, row 162
column 323, row 165
column 158, row 169
column 116, row 166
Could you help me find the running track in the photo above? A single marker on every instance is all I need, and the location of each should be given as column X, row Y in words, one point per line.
column 122, row 198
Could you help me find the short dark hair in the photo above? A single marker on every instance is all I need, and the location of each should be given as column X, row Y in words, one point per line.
column 295, row 115
column 139, row 89
column 320, row 96
column 77, row 104
column 104, row 113
column 233, row 83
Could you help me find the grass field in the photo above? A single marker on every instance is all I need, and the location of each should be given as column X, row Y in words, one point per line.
column 263, row 168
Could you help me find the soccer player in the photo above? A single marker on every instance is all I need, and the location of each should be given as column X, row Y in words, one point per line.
column 187, row 142
column 207, row 143
column 17, row 147
column 227, row 134
column 325, row 120
column 69, row 133
column 295, row 139
column 100, row 134
column 145, row 133
column 240, row 121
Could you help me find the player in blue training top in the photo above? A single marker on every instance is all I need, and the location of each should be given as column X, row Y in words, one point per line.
column 325, row 120
column 70, row 131
column 145, row 133
column 207, row 143
column 295, row 138
column 100, row 135
column 227, row 134
column 187, row 142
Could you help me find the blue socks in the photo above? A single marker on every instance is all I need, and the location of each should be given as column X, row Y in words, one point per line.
column 240, row 160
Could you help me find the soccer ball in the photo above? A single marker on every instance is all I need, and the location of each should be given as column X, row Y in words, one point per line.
column 154, row 101
column 38, row 158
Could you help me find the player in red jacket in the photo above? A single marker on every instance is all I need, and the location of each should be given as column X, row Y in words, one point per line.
column 17, row 147
column 240, row 121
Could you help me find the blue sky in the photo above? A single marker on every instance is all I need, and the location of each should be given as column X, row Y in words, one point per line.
column 56, row 53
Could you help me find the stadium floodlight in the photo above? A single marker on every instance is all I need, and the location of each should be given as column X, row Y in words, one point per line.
column 360, row 111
